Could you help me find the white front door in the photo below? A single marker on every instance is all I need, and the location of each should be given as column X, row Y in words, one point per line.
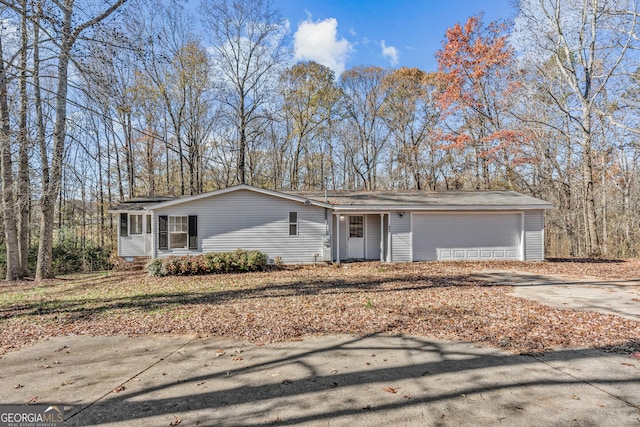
column 355, row 237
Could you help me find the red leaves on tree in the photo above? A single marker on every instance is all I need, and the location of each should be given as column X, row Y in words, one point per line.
column 474, row 68
column 470, row 54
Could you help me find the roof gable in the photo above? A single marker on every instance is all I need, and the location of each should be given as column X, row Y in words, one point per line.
column 273, row 193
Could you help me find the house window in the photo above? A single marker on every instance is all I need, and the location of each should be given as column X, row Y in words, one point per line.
column 293, row 223
column 135, row 224
column 178, row 227
column 124, row 224
column 148, row 228
column 356, row 226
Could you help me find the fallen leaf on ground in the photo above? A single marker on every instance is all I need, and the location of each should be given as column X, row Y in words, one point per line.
column 439, row 300
column 390, row 389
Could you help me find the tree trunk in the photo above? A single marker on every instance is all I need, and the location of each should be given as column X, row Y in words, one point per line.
column 44, row 268
column 24, row 197
column 44, row 156
column 593, row 243
column 242, row 148
column 8, row 200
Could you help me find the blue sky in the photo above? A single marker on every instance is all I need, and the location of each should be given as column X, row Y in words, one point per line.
column 388, row 33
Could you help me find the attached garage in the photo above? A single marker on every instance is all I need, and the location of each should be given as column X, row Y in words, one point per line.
column 467, row 236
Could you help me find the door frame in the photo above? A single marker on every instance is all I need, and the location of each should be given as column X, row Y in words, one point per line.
column 364, row 235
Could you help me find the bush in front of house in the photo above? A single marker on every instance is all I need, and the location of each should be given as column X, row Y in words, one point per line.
column 238, row 261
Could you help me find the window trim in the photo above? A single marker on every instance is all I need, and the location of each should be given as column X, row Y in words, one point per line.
column 294, row 223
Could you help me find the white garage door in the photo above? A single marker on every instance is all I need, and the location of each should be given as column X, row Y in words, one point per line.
column 462, row 236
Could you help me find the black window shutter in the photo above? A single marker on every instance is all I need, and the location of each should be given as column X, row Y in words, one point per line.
column 193, row 232
column 163, row 241
column 124, row 226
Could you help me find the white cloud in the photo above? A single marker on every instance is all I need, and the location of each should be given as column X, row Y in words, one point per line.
column 318, row 41
column 390, row 52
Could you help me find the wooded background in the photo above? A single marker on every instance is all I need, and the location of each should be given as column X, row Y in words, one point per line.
column 102, row 101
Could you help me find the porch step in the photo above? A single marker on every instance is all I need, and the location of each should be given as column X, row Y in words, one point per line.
column 137, row 263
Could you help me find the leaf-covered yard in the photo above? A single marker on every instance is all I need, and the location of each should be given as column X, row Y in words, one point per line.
column 438, row 300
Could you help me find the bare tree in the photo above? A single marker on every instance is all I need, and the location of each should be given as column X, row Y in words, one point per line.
column 8, row 198
column 248, row 47
column 364, row 101
column 309, row 93
column 412, row 114
column 587, row 42
column 61, row 19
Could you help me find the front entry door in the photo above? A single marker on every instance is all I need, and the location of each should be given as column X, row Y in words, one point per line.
column 355, row 237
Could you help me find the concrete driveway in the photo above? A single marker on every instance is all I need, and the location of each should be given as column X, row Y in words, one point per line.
column 619, row 297
column 333, row 380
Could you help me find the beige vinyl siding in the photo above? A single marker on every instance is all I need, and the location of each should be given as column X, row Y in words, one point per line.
column 245, row 219
column 373, row 236
column 400, row 227
column 534, row 235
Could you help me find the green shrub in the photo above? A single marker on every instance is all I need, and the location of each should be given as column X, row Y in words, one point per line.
column 156, row 267
column 68, row 256
column 237, row 261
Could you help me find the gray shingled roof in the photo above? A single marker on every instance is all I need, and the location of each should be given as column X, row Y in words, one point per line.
column 426, row 199
column 139, row 203
column 385, row 200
